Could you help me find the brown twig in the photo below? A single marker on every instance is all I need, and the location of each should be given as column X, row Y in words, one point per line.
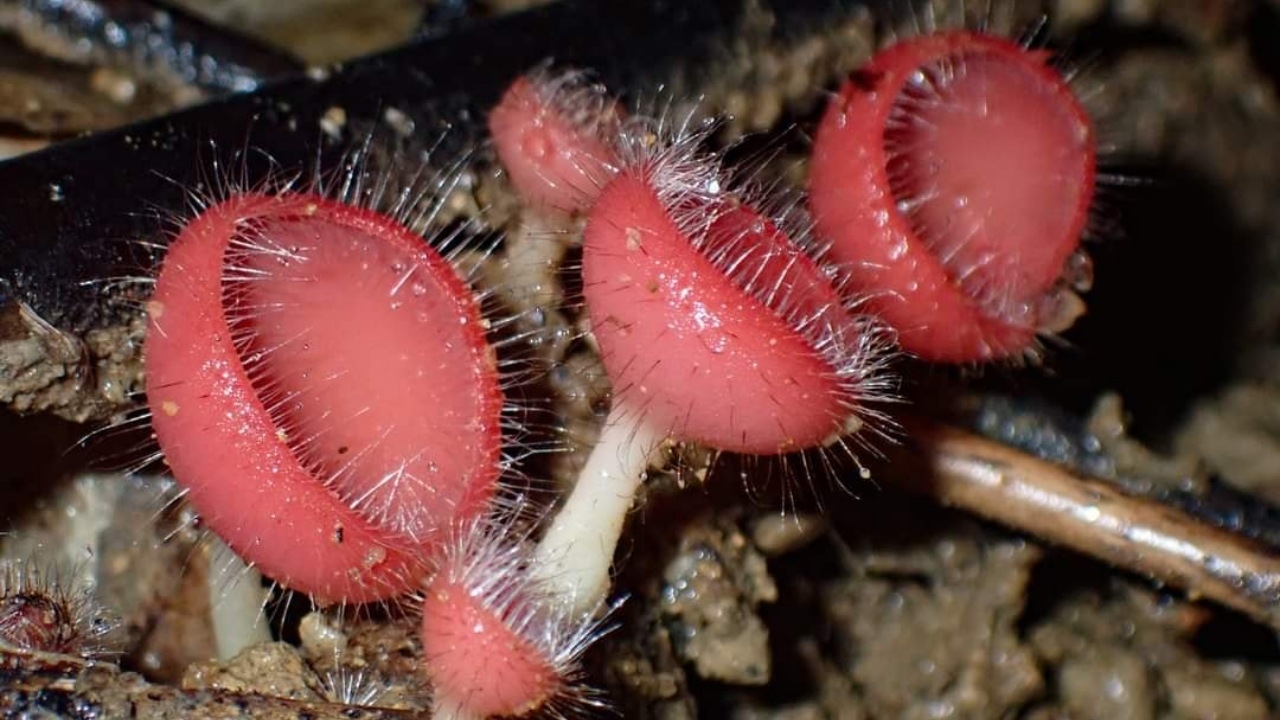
column 1094, row 517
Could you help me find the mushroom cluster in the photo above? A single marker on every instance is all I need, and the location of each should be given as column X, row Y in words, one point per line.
column 326, row 385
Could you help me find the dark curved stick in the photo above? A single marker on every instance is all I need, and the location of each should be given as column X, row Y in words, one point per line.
column 69, row 212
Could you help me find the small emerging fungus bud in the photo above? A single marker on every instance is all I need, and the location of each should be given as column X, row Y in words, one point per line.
column 554, row 135
column 496, row 642
column 43, row 609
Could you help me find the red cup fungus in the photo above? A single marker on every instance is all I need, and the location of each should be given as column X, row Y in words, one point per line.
column 715, row 327
column 953, row 177
column 322, row 387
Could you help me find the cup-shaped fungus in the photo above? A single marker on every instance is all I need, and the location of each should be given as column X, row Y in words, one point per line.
column 322, row 386
column 953, row 177
column 714, row 327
